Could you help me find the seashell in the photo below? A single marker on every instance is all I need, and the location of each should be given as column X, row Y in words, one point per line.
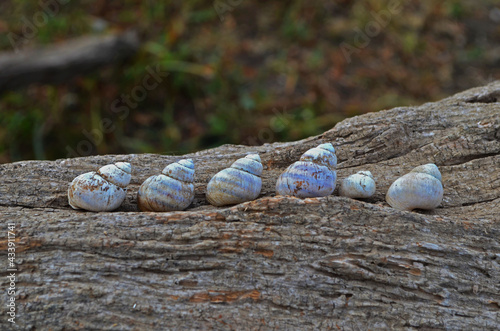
column 359, row 185
column 173, row 189
column 314, row 175
column 101, row 190
column 419, row 189
column 239, row 183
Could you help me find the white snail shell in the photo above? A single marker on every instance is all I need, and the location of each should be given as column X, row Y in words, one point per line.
column 172, row 190
column 419, row 189
column 101, row 190
column 314, row 175
column 359, row 185
column 239, row 183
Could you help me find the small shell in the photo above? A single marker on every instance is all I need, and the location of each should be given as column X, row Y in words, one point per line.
column 359, row 185
column 314, row 175
column 419, row 189
column 171, row 190
column 102, row 190
column 239, row 183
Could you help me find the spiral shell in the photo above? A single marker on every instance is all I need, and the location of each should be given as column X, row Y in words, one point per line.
column 102, row 190
column 419, row 189
column 314, row 175
column 359, row 185
column 239, row 183
column 172, row 190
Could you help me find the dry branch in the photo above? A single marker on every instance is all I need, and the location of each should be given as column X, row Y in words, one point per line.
column 59, row 63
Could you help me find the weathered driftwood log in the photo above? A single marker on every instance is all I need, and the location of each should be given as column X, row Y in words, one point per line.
column 61, row 62
column 277, row 262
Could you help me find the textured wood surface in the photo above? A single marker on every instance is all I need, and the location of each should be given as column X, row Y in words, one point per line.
column 276, row 262
column 61, row 62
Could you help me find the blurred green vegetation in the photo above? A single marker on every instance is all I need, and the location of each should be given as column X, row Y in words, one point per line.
column 252, row 73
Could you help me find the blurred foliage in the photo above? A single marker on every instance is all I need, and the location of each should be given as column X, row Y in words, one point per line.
column 249, row 73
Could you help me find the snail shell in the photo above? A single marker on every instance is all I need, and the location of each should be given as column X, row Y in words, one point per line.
column 359, row 185
column 101, row 190
column 419, row 189
column 239, row 183
column 314, row 175
column 173, row 189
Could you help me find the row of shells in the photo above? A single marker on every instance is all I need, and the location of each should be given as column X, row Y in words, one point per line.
column 313, row 175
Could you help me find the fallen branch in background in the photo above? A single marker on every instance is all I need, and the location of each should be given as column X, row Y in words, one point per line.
column 59, row 63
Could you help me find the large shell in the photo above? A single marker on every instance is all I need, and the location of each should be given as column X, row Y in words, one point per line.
column 359, row 185
column 102, row 190
column 314, row 175
column 419, row 189
column 239, row 183
column 171, row 190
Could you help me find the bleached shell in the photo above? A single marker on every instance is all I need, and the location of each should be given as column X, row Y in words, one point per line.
column 102, row 190
column 358, row 185
column 419, row 189
column 239, row 183
column 313, row 175
column 169, row 191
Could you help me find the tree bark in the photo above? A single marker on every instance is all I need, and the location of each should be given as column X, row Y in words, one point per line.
column 276, row 262
column 59, row 63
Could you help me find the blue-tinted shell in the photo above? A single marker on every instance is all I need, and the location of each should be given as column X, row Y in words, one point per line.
column 314, row 175
column 239, row 183
column 419, row 189
column 169, row 191
column 102, row 190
